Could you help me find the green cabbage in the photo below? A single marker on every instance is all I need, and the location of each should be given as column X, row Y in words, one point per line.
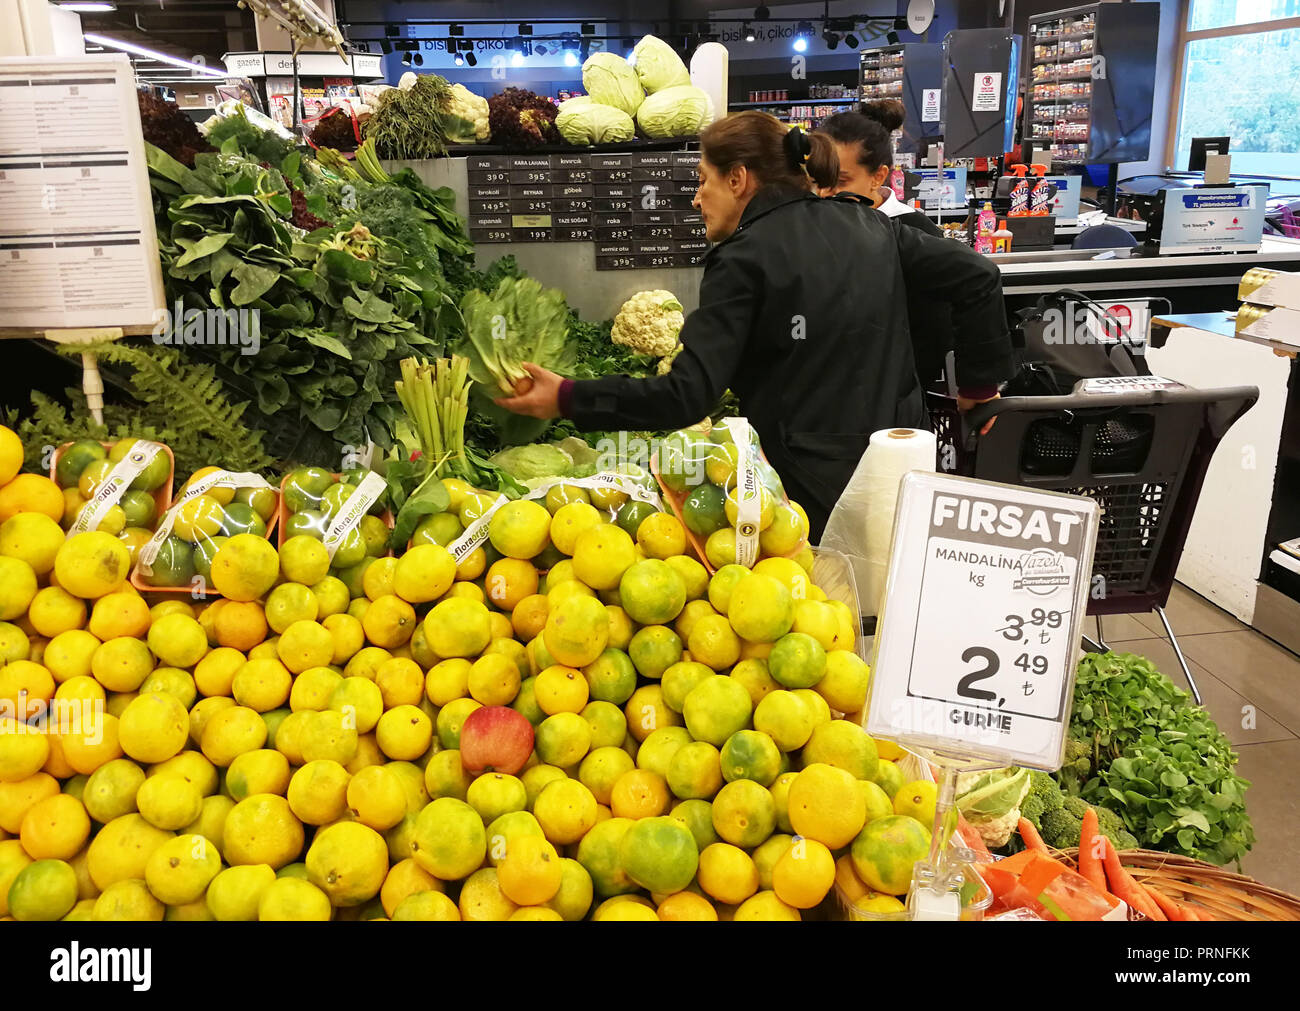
column 610, row 80
column 531, row 463
column 588, row 122
column 658, row 65
column 675, row 112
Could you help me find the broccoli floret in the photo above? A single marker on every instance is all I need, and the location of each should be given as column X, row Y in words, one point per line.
column 1077, row 750
column 1108, row 822
column 1043, row 787
column 1125, row 840
column 1032, row 810
column 1076, row 806
column 1061, row 829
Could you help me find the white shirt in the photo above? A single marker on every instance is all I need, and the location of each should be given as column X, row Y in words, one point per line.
column 892, row 207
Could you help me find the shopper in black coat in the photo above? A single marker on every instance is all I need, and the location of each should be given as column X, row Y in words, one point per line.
column 863, row 141
column 802, row 315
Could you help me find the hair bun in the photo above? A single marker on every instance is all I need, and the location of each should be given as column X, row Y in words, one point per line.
column 797, row 147
column 888, row 112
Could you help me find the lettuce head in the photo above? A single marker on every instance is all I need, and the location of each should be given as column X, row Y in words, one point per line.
column 582, row 121
column 658, row 65
column 611, row 80
column 682, row 111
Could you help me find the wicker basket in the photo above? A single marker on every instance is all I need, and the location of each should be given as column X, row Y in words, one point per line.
column 1221, row 893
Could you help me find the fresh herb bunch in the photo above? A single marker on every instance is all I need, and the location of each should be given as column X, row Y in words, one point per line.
column 1141, row 748
column 260, row 145
column 410, row 123
column 522, row 119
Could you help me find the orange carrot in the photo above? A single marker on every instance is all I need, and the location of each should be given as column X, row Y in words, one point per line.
column 1029, row 835
column 1089, row 861
column 1168, row 906
column 1127, row 887
column 973, row 840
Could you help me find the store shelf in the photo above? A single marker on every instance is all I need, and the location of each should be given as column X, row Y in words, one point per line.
column 793, row 101
column 1219, row 324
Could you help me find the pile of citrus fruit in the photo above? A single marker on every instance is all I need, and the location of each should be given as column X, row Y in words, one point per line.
column 620, row 737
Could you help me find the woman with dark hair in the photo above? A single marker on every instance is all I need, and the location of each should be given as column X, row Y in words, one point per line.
column 802, row 316
column 864, row 143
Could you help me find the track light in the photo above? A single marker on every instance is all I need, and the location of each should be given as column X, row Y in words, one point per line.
column 570, row 58
column 525, row 29
column 517, row 59
column 471, row 59
column 892, row 38
column 458, row 60
column 851, row 41
column 455, row 30
column 749, row 33
column 392, row 31
column 832, row 40
column 761, row 13
column 588, row 28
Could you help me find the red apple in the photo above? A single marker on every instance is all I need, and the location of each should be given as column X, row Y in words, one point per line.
column 495, row 739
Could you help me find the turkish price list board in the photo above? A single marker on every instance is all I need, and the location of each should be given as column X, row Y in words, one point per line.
column 635, row 206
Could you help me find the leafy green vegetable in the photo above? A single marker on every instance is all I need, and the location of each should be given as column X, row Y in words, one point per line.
column 528, row 463
column 1158, row 761
column 518, row 322
column 414, row 122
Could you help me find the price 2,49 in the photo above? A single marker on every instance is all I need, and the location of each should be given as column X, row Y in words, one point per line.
column 1035, row 664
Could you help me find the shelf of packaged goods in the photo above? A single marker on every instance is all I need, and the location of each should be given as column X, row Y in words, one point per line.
column 1063, row 37
column 785, row 104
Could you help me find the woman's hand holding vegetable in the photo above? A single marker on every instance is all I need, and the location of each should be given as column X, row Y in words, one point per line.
column 538, row 397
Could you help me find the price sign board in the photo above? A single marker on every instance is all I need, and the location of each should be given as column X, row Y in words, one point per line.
column 985, row 601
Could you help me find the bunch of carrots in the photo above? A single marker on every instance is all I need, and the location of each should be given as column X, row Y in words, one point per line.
column 1099, row 866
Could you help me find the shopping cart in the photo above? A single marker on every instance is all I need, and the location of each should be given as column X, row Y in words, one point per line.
column 1142, row 455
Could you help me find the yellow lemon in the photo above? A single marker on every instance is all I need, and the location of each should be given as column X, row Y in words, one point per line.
column 245, row 567
column 233, row 895
column 32, row 537
column 348, row 862
column 317, row 792
column 293, row 899
column 128, row 900
column 727, row 873
column 69, row 654
column 304, row 559
column 180, row 870
column 424, row 573
column 262, row 829
column 287, row 603
column 389, row 621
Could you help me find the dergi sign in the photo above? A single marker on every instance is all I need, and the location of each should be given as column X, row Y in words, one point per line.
column 986, row 595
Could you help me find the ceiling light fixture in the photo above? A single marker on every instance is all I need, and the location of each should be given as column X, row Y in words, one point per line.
column 525, row 28
column 749, row 33
column 832, row 40
column 761, row 13
column 128, row 47
column 851, row 41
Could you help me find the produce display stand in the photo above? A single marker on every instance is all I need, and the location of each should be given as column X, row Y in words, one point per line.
column 1147, row 510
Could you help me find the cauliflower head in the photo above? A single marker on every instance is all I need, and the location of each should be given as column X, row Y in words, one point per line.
column 472, row 109
column 649, row 322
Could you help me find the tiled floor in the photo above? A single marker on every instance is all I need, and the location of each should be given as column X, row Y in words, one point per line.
column 1251, row 687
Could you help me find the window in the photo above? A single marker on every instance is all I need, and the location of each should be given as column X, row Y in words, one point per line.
column 1240, row 79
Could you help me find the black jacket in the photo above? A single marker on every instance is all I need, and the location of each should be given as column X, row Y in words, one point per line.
column 803, row 315
column 929, row 319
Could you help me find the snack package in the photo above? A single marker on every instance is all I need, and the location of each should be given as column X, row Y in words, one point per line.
column 729, row 497
column 121, row 487
column 212, row 506
column 347, row 512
